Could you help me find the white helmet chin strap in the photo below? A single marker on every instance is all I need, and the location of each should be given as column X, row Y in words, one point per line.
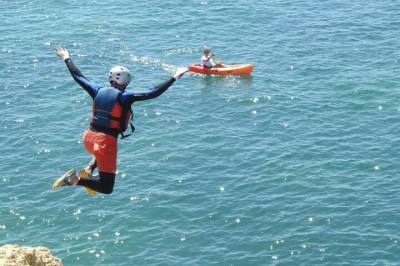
column 118, row 86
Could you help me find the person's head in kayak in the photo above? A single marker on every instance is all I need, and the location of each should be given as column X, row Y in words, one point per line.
column 119, row 77
column 207, row 51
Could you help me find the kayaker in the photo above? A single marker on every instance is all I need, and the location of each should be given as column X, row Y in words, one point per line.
column 110, row 117
column 207, row 60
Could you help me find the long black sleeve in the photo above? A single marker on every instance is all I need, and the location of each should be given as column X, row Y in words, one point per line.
column 153, row 92
column 90, row 87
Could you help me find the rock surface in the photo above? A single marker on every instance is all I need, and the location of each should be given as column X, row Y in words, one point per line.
column 13, row 255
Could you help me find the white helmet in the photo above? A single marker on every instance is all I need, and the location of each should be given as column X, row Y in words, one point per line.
column 120, row 75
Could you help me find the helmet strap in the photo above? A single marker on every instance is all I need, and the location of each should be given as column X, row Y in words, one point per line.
column 118, row 86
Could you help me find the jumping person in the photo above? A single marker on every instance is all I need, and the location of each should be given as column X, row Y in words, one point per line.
column 207, row 60
column 110, row 118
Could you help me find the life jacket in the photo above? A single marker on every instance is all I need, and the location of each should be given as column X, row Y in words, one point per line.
column 109, row 115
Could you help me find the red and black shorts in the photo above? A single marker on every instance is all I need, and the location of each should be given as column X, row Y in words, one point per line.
column 104, row 148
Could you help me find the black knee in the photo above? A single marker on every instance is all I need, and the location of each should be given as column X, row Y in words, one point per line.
column 107, row 181
column 107, row 190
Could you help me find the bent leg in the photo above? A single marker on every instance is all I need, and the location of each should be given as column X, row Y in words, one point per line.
column 104, row 183
column 104, row 149
column 219, row 65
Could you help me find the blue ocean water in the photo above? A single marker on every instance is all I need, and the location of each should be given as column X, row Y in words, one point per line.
column 296, row 164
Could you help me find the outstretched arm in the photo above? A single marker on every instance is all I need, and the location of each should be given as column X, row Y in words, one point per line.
column 90, row 87
column 158, row 89
column 153, row 92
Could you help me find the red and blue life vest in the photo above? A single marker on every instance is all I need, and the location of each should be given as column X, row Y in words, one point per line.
column 109, row 115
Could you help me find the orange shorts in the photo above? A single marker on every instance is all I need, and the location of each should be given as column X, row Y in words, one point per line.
column 104, row 148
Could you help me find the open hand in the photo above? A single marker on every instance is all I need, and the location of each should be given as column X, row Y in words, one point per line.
column 180, row 71
column 62, row 53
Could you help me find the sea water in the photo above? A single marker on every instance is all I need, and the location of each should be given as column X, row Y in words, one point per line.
column 295, row 164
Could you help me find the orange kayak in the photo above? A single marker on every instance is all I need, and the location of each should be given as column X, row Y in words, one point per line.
column 227, row 70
